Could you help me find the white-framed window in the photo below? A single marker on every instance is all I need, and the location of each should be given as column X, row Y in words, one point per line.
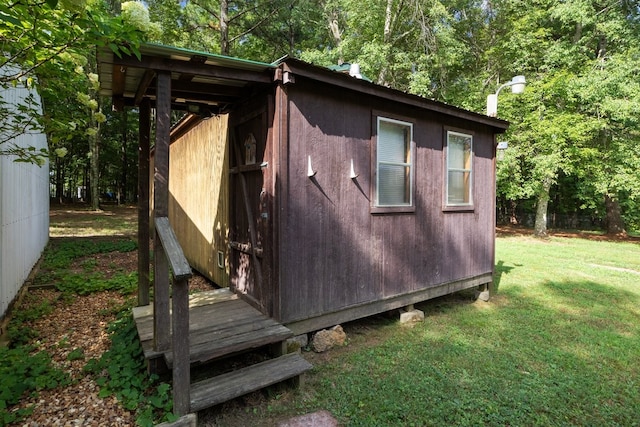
column 459, row 181
column 394, row 163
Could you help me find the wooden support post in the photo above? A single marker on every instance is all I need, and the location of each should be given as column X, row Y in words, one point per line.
column 161, row 328
column 181, row 359
column 172, row 252
column 143, row 202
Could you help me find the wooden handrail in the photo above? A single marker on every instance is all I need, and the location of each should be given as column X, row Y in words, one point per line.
column 175, row 255
column 181, row 272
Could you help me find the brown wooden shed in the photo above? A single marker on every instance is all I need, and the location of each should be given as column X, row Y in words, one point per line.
column 316, row 196
column 345, row 198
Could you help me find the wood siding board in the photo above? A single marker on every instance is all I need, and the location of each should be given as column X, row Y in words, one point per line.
column 494, row 144
column 267, row 211
column 353, row 215
column 427, row 135
column 296, row 292
column 326, row 228
column 397, row 253
column 281, row 170
column 199, row 192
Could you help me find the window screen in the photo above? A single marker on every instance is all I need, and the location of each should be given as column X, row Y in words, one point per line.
column 394, row 166
column 459, row 168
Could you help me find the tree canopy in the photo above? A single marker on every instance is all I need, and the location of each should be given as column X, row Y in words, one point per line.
column 573, row 150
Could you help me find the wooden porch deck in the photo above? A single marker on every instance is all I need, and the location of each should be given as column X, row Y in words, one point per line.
column 222, row 325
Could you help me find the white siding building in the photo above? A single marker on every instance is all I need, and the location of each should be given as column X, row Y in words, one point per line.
column 24, row 208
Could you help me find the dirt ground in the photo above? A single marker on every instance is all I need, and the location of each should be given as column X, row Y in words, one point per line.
column 514, row 230
column 80, row 322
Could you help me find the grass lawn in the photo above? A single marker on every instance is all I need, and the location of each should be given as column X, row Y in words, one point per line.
column 558, row 344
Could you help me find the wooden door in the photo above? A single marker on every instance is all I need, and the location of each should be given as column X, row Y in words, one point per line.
column 248, row 228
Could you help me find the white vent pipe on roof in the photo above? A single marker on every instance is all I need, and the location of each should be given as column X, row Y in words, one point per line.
column 354, row 71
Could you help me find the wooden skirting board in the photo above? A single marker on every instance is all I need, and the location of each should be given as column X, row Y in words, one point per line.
column 380, row 306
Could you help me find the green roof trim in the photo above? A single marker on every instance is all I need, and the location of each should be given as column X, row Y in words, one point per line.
column 345, row 67
column 163, row 50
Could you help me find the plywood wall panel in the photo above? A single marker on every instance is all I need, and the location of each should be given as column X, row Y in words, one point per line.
column 198, row 206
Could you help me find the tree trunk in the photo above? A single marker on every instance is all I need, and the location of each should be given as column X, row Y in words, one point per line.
column 513, row 218
column 540, row 229
column 388, row 22
column 59, row 180
column 388, row 19
column 334, row 26
column 614, row 221
column 224, row 27
column 94, row 171
column 122, row 196
column 86, row 194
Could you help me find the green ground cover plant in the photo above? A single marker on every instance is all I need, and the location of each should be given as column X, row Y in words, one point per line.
column 84, row 284
column 557, row 345
column 24, row 370
column 121, row 371
column 19, row 332
column 61, row 254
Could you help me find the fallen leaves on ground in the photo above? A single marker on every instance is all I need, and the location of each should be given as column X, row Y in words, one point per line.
column 78, row 323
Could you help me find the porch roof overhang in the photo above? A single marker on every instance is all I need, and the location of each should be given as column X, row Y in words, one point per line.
column 202, row 83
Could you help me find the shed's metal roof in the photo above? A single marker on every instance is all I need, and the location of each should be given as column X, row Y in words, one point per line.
column 198, row 78
column 178, row 53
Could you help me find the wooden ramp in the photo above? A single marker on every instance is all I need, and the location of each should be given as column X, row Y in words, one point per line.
column 222, row 327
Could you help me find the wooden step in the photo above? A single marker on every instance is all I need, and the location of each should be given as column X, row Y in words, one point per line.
column 262, row 333
column 216, row 390
column 220, row 324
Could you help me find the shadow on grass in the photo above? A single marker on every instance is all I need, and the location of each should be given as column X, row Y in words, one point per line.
column 560, row 353
column 499, row 270
column 85, row 259
column 594, row 309
column 77, row 220
column 565, row 354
